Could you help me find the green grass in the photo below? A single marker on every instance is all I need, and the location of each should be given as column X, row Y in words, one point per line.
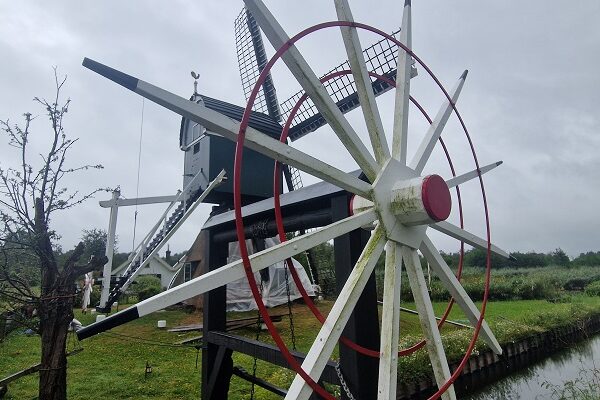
column 113, row 367
column 550, row 282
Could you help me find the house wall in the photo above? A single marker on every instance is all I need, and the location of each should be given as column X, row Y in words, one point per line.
column 154, row 267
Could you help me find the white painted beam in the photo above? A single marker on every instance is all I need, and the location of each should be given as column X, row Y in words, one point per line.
column 313, row 87
column 330, row 332
column 390, row 323
column 138, row 202
column 110, row 250
column 435, row 129
column 467, row 237
column 434, row 345
column 260, row 260
column 229, row 128
column 450, row 282
column 403, row 75
column 364, row 87
column 460, row 179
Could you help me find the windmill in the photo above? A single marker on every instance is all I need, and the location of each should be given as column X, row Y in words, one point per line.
column 206, row 154
column 395, row 201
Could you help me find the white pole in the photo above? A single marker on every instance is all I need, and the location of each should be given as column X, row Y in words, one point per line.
column 110, row 247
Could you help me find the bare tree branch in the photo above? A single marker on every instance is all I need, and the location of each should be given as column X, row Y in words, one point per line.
column 30, row 195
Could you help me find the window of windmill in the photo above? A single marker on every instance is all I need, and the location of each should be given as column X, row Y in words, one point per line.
column 188, row 271
column 196, row 131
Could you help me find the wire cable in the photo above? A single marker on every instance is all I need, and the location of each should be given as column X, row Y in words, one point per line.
column 137, row 186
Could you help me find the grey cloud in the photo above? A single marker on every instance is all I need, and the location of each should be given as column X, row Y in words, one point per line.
column 530, row 98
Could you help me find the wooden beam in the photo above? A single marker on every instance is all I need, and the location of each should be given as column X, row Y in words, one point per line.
column 137, row 202
column 265, row 352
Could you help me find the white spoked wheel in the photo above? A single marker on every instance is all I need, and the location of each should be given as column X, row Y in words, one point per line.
column 401, row 202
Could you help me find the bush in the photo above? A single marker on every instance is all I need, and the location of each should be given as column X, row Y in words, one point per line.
column 593, row 289
column 146, row 286
column 575, row 284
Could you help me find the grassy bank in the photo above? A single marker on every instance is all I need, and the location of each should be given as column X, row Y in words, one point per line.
column 112, row 366
column 548, row 283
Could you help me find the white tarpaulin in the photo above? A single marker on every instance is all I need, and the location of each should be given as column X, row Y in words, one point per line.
column 88, row 284
column 274, row 289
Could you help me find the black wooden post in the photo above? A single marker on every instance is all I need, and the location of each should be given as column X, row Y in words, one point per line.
column 217, row 364
column 360, row 372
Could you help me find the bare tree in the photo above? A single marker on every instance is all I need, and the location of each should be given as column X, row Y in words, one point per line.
column 32, row 196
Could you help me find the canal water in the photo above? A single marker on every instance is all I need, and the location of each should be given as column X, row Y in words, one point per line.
column 576, row 363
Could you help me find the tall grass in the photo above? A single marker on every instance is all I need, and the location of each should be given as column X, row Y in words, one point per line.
column 548, row 283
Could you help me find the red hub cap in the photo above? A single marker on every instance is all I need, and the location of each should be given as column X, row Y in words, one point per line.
column 436, row 197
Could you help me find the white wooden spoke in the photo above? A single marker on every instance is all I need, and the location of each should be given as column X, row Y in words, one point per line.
column 435, row 129
column 460, row 179
column 229, row 129
column 364, row 87
column 403, row 75
column 434, row 344
column 313, row 87
column 450, row 282
column 467, row 237
column 390, row 323
column 330, row 332
column 235, row 270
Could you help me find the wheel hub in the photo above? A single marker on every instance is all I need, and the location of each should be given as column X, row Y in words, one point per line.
column 421, row 200
column 406, row 202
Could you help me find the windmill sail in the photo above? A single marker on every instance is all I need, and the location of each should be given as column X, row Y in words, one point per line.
column 252, row 59
column 380, row 59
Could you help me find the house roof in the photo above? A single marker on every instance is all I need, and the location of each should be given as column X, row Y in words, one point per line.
column 156, row 258
column 259, row 121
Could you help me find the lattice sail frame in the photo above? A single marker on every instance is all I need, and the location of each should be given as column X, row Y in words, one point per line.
column 252, row 58
column 380, row 58
column 396, row 183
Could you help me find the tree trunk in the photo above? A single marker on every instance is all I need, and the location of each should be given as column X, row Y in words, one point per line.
column 55, row 316
column 55, row 312
column 55, row 308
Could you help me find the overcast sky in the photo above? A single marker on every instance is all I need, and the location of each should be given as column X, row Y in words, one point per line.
column 530, row 99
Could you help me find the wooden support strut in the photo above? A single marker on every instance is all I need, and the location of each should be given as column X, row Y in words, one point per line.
column 264, row 351
column 216, row 364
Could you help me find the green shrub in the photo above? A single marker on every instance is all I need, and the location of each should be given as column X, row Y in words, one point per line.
column 146, row 286
column 593, row 289
column 560, row 297
column 577, row 283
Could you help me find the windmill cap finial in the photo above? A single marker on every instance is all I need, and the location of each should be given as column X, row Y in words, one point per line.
column 195, row 76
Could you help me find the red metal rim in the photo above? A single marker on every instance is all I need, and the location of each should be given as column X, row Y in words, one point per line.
column 240, row 225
